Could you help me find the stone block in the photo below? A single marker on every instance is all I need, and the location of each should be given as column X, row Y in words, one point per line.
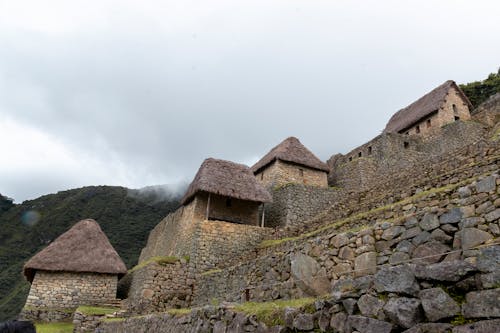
column 429, row 253
column 453, row 216
column 430, row 328
column 370, row 306
column 480, row 304
column 365, row 264
column 403, row 311
column 451, row 271
column 303, row 321
column 397, row 279
column 484, row 326
column 429, row 222
column 369, row 325
column 308, row 274
column 488, row 184
column 437, row 304
column 472, row 237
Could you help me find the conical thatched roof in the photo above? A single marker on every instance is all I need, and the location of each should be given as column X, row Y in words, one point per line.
column 422, row 107
column 83, row 248
column 228, row 179
column 291, row 150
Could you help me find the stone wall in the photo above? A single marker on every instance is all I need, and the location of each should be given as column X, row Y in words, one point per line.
column 160, row 285
column 488, row 112
column 295, row 203
column 54, row 295
column 220, row 242
column 440, row 225
column 279, row 173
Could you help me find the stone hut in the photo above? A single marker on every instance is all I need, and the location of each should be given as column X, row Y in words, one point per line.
column 225, row 191
column 80, row 267
column 443, row 105
column 291, row 162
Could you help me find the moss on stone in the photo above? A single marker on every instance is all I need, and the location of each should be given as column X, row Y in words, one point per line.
column 272, row 313
column 113, row 320
column 59, row 327
column 158, row 260
column 95, row 310
column 460, row 320
column 179, row 312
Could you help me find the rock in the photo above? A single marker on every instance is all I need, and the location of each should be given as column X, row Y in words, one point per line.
column 304, row 321
column 399, row 258
column 370, row 306
column 338, row 322
column 349, row 305
column 289, row 314
column 480, row 304
column 346, row 253
column 440, row 236
column 339, row 241
column 490, row 280
column 219, row 327
column 410, row 233
column 365, row 264
column 453, row 216
column 429, row 222
column 343, row 288
column 404, row 311
column 369, row 325
column 430, row 328
column 341, row 268
column 488, row 184
column 464, row 192
column 484, row 326
column 492, row 216
column 397, row 279
column 307, row 272
column 430, row 253
column 421, row 238
column 324, row 321
column 488, row 259
column 472, row 237
column 405, row 246
column 444, row 271
column 437, row 304
column 392, row 232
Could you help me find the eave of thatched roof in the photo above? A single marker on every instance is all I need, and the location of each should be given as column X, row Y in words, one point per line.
column 423, row 107
column 228, row 179
column 293, row 151
column 83, row 248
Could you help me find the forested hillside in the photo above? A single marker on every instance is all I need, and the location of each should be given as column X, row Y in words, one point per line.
column 125, row 215
column 479, row 91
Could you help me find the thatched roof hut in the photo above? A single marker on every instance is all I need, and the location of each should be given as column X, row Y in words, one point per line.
column 293, row 151
column 227, row 179
column 83, row 248
column 423, row 107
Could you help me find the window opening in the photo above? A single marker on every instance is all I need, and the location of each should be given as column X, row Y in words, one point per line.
column 406, row 144
column 428, row 123
column 228, row 202
column 301, row 172
column 369, row 150
column 417, row 129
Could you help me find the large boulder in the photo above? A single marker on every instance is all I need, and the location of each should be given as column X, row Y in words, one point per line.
column 482, row 304
column 406, row 312
column 437, row 304
column 452, row 270
column 397, row 279
column 309, row 276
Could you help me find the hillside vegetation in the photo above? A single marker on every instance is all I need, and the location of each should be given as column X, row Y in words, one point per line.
column 479, row 91
column 126, row 216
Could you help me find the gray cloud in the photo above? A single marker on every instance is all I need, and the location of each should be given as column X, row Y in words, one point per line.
column 161, row 86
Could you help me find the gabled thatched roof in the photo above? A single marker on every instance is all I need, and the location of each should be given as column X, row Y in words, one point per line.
column 83, row 248
column 293, row 151
column 228, row 179
column 423, row 107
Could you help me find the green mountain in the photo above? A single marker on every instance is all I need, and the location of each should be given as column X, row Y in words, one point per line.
column 125, row 215
column 479, row 91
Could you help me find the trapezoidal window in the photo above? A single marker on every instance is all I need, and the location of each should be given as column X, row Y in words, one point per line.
column 369, row 150
column 428, row 122
column 229, row 203
column 301, row 172
column 262, row 176
column 417, row 129
column 350, row 159
column 406, row 144
column 360, row 154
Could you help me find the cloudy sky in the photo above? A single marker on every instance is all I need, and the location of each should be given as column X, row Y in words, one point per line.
column 138, row 93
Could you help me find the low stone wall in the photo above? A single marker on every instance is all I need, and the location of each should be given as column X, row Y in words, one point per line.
column 160, row 285
column 45, row 314
column 294, row 203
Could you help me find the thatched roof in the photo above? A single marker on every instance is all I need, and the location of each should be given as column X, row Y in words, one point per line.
column 423, row 107
column 293, row 151
column 228, row 179
column 83, row 248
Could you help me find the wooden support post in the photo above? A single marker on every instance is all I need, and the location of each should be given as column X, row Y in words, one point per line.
column 208, row 207
column 263, row 214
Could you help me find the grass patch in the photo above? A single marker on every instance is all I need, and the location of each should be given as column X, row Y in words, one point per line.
column 96, row 311
column 159, row 260
column 460, row 320
column 113, row 320
column 211, row 271
column 61, row 327
column 271, row 313
column 179, row 312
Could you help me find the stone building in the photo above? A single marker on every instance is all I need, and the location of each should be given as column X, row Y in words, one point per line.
column 443, row 105
column 291, row 162
column 80, row 267
column 226, row 191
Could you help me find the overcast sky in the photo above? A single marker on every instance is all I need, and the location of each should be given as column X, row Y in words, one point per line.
column 138, row 93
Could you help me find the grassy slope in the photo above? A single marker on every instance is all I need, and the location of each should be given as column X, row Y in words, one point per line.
column 125, row 217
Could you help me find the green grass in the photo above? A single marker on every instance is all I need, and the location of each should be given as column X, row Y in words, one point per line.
column 112, row 320
column 96, row 311
column 159, row 260
column 271, row 313
column 179, row 312
column 61, row 327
